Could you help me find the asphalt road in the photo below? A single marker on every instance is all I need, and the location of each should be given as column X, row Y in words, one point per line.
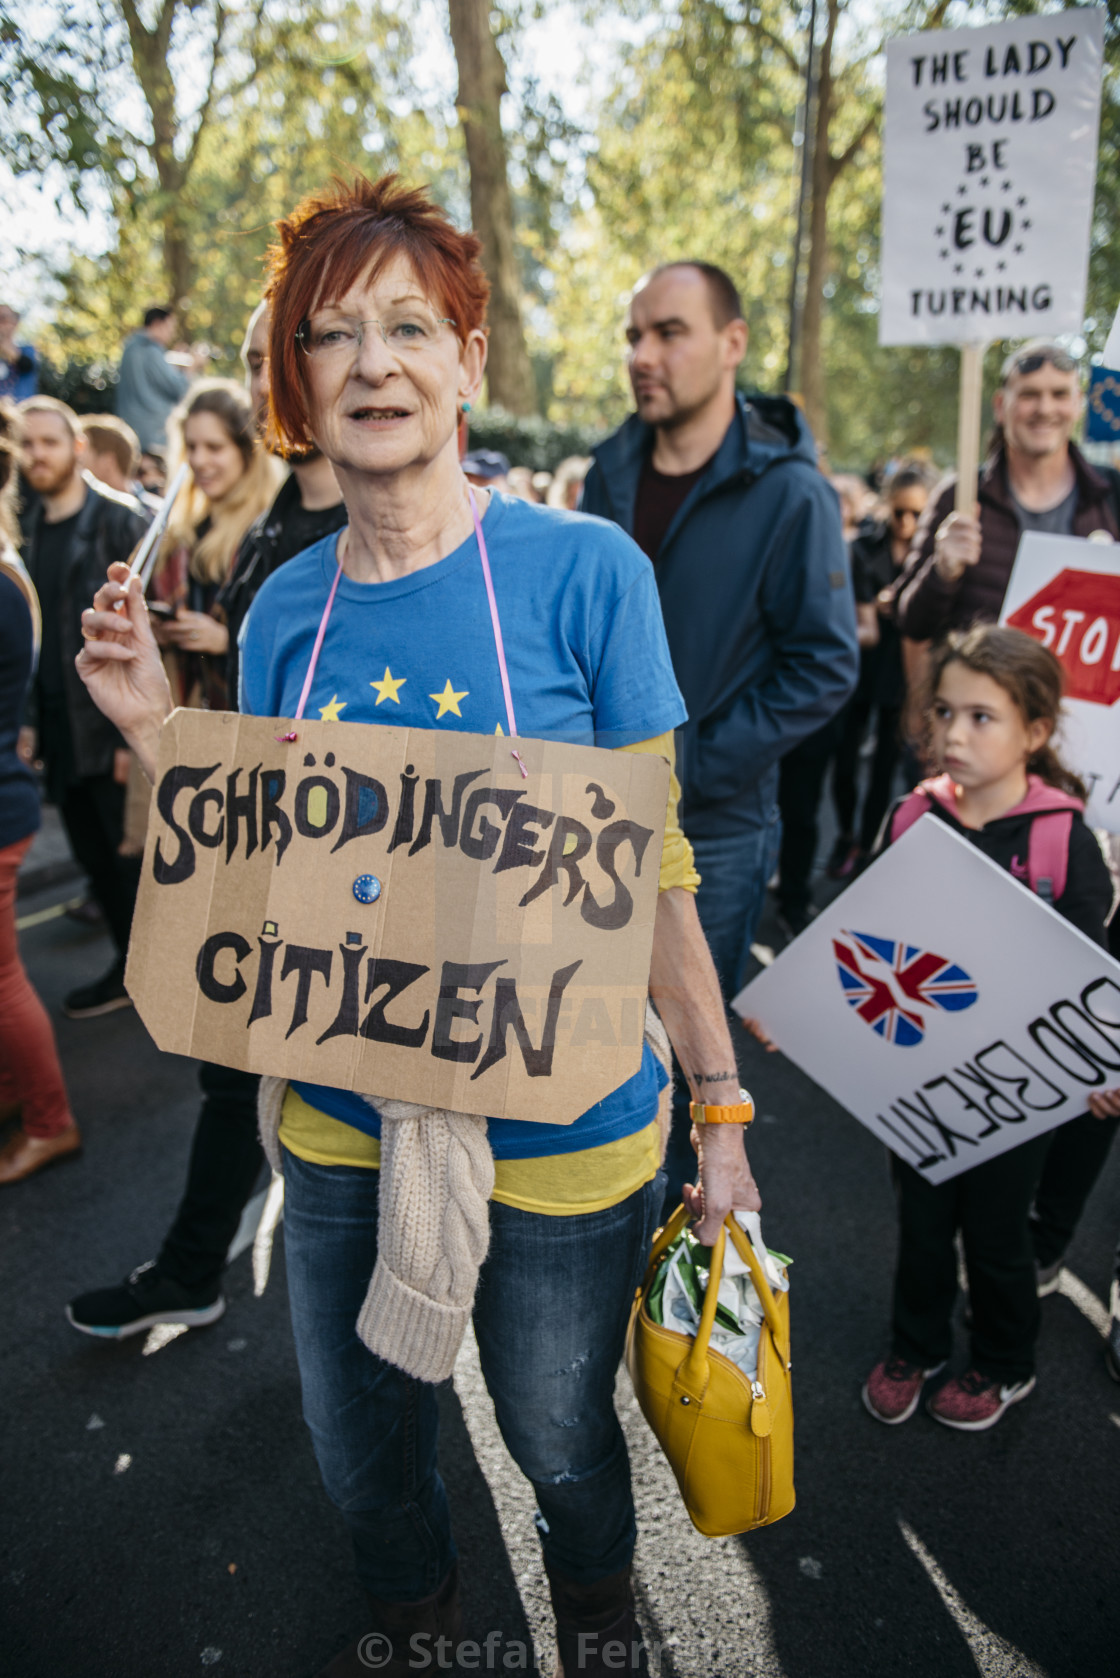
column 161, row 1512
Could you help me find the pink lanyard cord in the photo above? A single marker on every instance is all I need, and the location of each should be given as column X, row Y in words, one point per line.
column 286, row 739
column 494, row 620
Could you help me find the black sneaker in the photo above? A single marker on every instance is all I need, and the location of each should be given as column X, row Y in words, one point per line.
column 144, row 1299
column 104, row 996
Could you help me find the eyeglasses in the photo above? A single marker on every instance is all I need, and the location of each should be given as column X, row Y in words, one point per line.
column 1057, row 359
column 339, row 338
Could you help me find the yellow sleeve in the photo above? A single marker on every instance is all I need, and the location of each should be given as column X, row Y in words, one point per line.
column 678, row 866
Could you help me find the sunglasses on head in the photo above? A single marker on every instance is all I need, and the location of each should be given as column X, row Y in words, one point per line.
column 1058, row 359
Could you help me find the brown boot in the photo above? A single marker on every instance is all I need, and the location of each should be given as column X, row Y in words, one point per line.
column 387, row 1647
column 597, row 1632
column 23, row 1155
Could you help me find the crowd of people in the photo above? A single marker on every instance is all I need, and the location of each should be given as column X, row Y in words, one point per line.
column 724, row 607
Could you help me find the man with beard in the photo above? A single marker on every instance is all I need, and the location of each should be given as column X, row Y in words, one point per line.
column 79, row 528
column 744, row 535
column 183, row 1285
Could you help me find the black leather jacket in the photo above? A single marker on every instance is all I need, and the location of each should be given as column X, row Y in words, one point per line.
column 109, row 527
column 266, row 546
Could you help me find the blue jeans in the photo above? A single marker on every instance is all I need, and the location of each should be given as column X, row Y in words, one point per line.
column 733, row 875
column 550, row 1317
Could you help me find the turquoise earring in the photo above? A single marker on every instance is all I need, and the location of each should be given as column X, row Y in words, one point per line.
column 466, row 407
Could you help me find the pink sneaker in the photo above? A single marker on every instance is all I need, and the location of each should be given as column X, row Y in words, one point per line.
column 894, row 1387
column 973, row 1402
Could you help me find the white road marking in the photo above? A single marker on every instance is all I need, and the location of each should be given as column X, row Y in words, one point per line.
column 94, row 1423
column 994, row 1656
column 41, row 915
column 122, row 1464
column 247, row 1228
column 161, row 1335
column 1114, row 1418
column 1085, row 1299
column 262, row 1244
column 726, row 1629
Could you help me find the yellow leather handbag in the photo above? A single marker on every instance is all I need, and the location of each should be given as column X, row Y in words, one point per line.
column 729, row 1440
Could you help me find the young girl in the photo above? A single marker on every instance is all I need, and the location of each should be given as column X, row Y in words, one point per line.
column 995, row 707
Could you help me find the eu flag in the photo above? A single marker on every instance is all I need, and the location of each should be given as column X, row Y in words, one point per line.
column 1102, row 424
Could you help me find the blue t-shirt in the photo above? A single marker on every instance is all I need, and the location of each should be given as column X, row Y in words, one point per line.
column 588, row 664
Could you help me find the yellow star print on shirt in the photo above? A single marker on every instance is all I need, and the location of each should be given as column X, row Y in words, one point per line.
column 448, row 700
column 330, row 713
column 389, row 687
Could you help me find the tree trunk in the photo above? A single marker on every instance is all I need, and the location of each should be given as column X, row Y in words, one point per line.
column 482, row 81
column 812, row 379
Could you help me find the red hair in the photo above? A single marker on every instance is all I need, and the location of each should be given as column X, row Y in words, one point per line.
column 340, row 235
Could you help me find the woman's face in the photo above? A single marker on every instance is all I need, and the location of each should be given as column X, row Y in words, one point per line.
column 214, row 458
column 907, row 507
column 382, row 401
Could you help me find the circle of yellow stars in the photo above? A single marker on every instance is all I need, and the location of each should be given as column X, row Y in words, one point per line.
column 389, row 688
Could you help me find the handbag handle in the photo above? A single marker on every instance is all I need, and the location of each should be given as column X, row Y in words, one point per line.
column 694, row 1369
column 745, row 1248
column 697, row 1357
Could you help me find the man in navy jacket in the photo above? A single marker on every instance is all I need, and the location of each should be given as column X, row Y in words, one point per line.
column 745, row 537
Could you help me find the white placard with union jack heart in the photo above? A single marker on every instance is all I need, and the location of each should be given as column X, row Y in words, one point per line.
column 952, row 1011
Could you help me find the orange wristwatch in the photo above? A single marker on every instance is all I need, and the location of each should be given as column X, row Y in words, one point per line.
column 706, row 1112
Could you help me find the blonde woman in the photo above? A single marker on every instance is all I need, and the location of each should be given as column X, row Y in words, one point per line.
column 231, row 482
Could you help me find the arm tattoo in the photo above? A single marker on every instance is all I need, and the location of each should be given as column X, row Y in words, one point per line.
column 716, row 1077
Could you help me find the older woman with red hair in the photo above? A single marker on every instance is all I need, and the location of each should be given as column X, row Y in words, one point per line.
column 378, row 347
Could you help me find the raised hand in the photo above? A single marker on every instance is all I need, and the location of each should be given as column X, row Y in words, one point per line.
column 121, row 666
column 957, row 545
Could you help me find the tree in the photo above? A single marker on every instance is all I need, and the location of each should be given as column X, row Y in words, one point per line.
column 323, row 96
column 482, row 83
column 78, row 80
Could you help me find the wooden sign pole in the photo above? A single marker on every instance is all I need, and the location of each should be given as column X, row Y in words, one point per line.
column 968, row 425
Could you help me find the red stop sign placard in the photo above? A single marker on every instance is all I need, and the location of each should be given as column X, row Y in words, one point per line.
column 1077, row 615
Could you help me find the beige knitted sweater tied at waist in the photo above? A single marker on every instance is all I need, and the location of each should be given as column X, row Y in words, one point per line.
column 437, row 1176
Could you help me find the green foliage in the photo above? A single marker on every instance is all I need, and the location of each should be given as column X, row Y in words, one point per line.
column 532, row 441
column 693, row 153
column 88, row 386
column 295, row 97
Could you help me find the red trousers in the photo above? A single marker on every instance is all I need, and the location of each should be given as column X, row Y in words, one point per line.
column 29, row 1069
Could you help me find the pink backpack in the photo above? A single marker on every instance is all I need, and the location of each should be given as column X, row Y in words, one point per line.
column 1048, row 850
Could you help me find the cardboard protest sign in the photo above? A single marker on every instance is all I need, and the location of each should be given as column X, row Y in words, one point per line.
column 401, row 911
column 952, row 1011
column 1065, row 592
column 990, row 151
